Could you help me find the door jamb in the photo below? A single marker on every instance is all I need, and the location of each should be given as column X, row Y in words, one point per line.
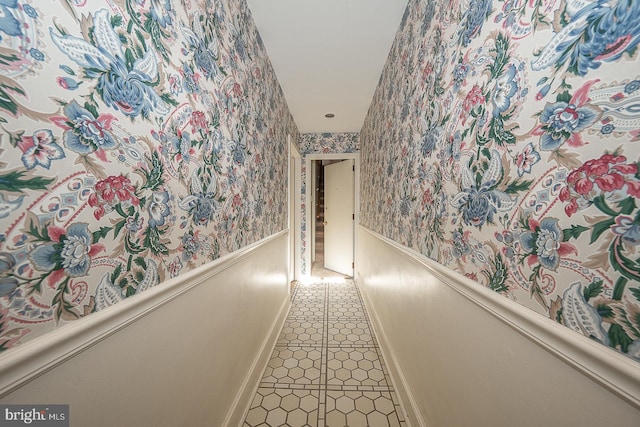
column 294, row 222
column 356, row 202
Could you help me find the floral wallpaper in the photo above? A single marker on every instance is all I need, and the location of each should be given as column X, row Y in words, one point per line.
column 503, row 142
column 320, row 143
column 139, row 139
column 329, row 143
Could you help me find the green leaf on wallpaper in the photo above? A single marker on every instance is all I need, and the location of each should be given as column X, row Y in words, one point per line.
column 564, row 97
column 138, row 276
column 14, row 181
column 152, row 241
column 593, row 290
column 618, row 337
column 131, row 246
column 116, row 272
column 600, row 228
column 574, row 232
column 139, row 49
column 627, row 206
column 130, row 291
column 168, row 99
column 517, row 186
column 129, row 58
column 14, row 137
column 143, row 43
column 124, row 283
column 101, row 234
column 618, row 288
column 118, row 227
column 154, row 176
column 34, row 231
column 91, row 108
column 604, row 311
column 629, row 269
column 7, row 58
column 63, row 309
column 498, row 278
column 116, row 21
column 601, row 204
column 636, row 293
column 140, row 262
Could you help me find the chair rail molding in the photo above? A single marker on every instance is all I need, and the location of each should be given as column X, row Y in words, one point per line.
column 26, row 362
column 614, row 371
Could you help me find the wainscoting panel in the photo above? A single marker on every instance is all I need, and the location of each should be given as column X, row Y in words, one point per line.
column 189, row 352
column 461, row 355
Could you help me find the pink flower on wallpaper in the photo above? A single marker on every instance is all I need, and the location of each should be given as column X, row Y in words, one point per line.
column 111, row 192
column 198, row 121
column 474, row 98
column 609, row 176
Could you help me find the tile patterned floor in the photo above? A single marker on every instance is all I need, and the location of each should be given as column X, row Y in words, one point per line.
column 326, row 369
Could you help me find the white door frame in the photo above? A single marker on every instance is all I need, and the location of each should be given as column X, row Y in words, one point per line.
column 294, row 187
column 308, row 202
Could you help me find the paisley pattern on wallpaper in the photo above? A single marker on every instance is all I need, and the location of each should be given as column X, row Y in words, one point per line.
column 320, row 143
column 140, row 139
column 503, row 142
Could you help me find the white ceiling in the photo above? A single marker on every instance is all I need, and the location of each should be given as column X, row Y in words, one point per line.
column 328, row 55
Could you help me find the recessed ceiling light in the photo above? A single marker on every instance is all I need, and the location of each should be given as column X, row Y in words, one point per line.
column 329, row 115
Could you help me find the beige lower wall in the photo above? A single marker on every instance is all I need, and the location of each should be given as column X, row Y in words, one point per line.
column 458, row 365
column 183, row 364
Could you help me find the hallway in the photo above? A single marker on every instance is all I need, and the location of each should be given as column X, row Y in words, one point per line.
column 326, row 369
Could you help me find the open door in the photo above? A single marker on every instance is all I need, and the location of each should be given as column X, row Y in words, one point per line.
column 339, row 216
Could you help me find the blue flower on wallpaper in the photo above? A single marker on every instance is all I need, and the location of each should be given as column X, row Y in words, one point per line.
column 597, row 31
column 629, row 228
column 526, row 159
column 430, row 140
column 561, row 120
column 190, row 246
column 39, row 149
column 460, row 73
column 181, row 144
column 158, row 208
column 129, row 90
column 473, row 19
column 239, row 151
column 478, row 202
column 8, row 22
column 70, row 251
column 505, row 89
column 201, row 204
column 161, row 12
column 7, row 283
column 544, row 242
column 204, row 46
column 460, row 245
column 190, row 80
column 84, row 132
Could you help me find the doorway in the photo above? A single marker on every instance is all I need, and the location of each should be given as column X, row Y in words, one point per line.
column 324, row 234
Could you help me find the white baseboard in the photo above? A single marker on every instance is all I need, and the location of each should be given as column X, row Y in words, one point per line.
column 243, row 399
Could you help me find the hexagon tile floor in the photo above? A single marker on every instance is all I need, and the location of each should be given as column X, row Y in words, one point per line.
column 326, row 369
